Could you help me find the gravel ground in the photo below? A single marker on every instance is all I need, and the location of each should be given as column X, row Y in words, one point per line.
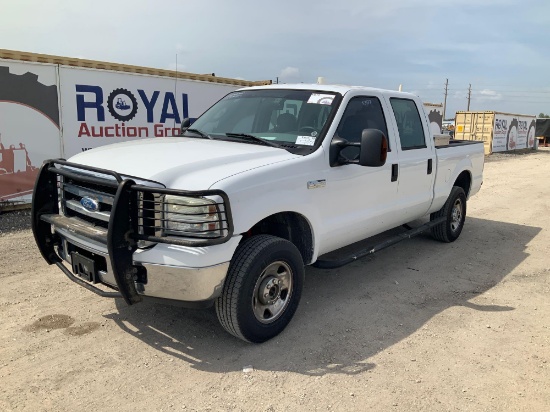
column 11, row 222
column 420, row 326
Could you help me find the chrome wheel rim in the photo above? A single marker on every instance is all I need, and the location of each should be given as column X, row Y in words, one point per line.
column 272, row 292
column 456, row 215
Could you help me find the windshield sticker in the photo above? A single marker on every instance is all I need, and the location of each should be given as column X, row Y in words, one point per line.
column 234, row 95
column 318, row 98
column 306, row 140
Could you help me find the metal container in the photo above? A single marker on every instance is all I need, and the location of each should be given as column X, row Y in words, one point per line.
column 498, row 131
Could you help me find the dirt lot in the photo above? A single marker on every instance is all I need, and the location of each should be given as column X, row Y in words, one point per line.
column 421, row 326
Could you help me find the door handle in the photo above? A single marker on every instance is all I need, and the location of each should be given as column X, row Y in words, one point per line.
column 429, row 166
column 394, row 172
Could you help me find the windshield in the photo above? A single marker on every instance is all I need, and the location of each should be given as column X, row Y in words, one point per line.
column 286, row 117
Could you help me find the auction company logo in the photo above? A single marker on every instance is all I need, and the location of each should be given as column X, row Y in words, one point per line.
column 522, row 126
column 501, row 126
column 123, row 106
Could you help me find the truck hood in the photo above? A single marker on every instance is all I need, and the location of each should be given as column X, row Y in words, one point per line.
column 181, row 162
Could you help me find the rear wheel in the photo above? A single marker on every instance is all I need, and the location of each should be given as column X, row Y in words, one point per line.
column 454, row 212
column 262, row 289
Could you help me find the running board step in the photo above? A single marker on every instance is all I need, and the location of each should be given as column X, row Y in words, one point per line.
column 411, row 232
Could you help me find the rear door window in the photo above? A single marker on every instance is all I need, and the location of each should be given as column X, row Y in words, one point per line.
column 409, row 124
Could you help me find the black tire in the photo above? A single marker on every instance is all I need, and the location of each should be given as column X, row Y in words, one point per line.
column 454, row 211
column 238, row 306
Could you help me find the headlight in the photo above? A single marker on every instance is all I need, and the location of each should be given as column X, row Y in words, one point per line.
column 191, row 216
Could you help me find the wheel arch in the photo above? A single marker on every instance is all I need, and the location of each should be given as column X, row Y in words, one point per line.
column 464, row 180
column 292, row 226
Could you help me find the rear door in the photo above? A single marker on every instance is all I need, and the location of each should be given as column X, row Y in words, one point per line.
column 416, row 163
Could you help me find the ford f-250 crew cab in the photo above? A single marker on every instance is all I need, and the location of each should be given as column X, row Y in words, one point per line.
column 266, row 181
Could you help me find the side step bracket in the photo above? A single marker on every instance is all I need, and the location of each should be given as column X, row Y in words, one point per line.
column 333, row 264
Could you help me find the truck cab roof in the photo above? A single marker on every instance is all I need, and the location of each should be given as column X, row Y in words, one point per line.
column 336, row 88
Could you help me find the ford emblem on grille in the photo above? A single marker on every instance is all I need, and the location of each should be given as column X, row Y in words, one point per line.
column 90, row 204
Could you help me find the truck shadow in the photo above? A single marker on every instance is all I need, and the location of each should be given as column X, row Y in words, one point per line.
column 350, row 314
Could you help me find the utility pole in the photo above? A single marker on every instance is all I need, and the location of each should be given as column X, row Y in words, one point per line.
column 469, row 96
column 445, row 101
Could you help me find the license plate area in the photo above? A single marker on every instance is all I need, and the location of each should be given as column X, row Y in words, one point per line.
column 84, row 267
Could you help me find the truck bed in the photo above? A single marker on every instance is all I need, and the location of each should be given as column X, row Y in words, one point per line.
column 456, row 142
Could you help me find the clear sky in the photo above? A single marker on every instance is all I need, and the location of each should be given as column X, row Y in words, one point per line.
column 500, row 47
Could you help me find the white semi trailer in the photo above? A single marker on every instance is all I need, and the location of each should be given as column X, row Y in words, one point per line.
column 53, row 107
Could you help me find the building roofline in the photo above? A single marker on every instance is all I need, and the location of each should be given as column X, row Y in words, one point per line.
column 125, row 68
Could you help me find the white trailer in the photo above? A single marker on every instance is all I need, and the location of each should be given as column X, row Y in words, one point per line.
column 53, row 107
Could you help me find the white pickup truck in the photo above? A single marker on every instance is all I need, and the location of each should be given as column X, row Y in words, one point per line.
column 266, row 181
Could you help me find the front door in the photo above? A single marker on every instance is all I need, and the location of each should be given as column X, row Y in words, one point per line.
column 361, row 200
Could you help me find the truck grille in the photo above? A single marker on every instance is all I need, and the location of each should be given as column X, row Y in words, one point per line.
column 77, row 194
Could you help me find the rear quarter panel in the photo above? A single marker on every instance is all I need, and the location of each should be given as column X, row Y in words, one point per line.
column 453, row 160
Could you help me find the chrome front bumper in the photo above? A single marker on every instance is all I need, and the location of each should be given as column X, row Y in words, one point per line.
column 180, row 283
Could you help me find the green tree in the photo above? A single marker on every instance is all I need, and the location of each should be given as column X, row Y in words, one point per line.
column 543, row 116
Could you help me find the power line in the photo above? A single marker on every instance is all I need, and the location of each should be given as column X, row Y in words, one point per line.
column 519, row 101
column 479, row 95
column 483, row 96
column 449, row 89
column 541, row 95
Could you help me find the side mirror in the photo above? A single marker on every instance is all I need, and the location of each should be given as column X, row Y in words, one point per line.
column 374, row 148
column 185, row 125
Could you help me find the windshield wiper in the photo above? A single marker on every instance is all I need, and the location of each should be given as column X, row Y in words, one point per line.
column 255, row 139
column 200, row 133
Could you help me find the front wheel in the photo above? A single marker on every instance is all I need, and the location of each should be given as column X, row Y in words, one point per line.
column 454, row 211
column 262, row 289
